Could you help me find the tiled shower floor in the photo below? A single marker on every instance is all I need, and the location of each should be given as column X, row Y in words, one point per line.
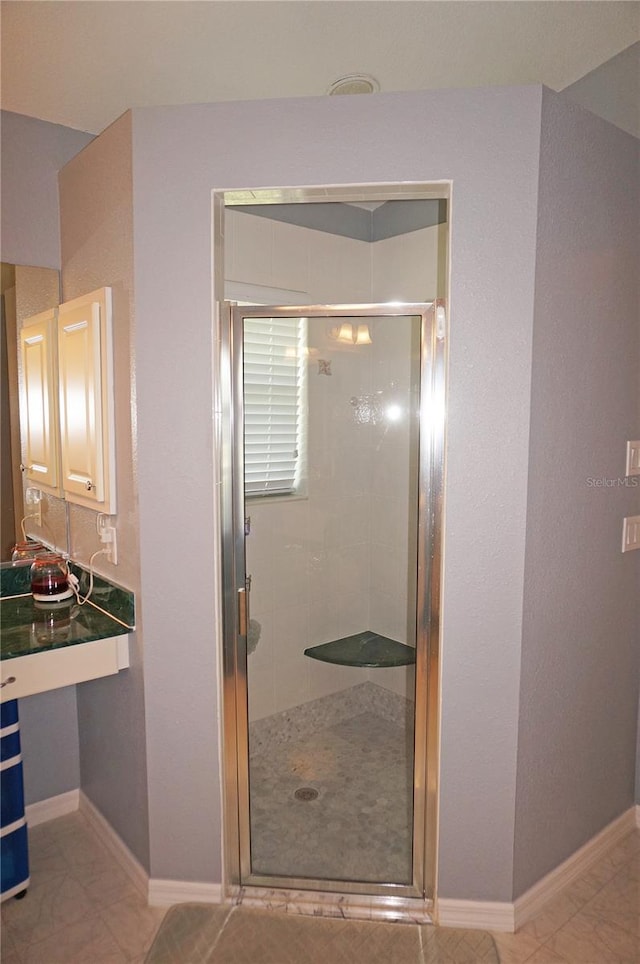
column 360, row 825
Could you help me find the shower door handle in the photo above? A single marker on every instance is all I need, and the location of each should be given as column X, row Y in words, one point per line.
column 243, row 607
column 243, row 612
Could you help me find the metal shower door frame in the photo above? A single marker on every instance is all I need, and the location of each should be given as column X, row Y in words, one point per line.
column 429, row 537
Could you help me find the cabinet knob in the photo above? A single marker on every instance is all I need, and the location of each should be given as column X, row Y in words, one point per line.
column 5, row 682
column 90, row 486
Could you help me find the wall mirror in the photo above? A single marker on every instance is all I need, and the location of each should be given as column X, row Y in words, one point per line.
column 25, row 291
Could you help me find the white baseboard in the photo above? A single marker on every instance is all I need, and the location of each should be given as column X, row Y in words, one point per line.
column 509, row 916
column 115, row 845
column 476, row 914
column 164, row 893
column 52, row 807
column 530, row 903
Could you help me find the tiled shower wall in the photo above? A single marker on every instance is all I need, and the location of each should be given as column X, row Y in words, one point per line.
column 335, row 562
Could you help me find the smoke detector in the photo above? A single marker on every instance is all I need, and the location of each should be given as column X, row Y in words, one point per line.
column 354, row 84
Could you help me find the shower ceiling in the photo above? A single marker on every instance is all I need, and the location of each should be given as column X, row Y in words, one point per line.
column 361, row 220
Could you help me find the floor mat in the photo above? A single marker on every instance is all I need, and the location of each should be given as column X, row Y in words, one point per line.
column 204, row 934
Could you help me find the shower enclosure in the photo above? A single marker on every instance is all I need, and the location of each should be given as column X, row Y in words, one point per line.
column 332, row 440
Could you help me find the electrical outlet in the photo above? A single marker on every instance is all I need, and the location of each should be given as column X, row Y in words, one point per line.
column 32, row 495
column 631, row 533
column 633, row 458
column 33, row 499
column 108, row 537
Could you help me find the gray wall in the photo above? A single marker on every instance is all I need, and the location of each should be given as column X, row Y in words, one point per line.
column 612, row 90
column 49, row 741
column 487, row 141
column 579, row 688
column 97, row 249
column 638, row 760
column 33, row 151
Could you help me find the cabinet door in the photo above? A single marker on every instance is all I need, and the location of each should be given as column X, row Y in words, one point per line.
column 39, row 406
column 85, row 409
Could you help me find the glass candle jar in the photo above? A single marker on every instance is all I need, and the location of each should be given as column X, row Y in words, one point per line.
column 51, row 624
column 49, row 578
column 27, row 550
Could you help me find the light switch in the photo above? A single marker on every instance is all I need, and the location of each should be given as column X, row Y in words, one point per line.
column 631, row 533
column 633, row 458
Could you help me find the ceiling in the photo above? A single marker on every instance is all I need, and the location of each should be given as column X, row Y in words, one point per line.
column 82, row 63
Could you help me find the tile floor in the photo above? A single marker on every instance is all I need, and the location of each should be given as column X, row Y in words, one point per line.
column 596, row 920
column 82, row 909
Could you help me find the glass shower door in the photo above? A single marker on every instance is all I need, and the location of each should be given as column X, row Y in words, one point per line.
column 332, row 564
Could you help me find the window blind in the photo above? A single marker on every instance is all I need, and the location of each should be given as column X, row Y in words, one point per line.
column 273, row 404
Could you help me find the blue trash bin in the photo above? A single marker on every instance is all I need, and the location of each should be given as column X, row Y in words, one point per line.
column 14, row 848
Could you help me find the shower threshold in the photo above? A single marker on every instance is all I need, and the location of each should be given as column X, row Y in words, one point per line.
column 367, row 649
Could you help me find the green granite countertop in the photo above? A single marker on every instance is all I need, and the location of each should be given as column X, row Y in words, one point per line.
column 28, row 627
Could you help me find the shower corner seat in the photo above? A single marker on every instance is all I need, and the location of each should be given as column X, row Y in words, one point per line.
column 366, row 649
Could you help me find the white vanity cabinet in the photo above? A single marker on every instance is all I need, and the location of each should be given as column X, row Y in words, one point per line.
column 64, row 666
column 39, row 402
column 85, row 379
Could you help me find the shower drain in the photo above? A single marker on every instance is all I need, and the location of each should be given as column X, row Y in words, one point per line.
column 306, row 793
